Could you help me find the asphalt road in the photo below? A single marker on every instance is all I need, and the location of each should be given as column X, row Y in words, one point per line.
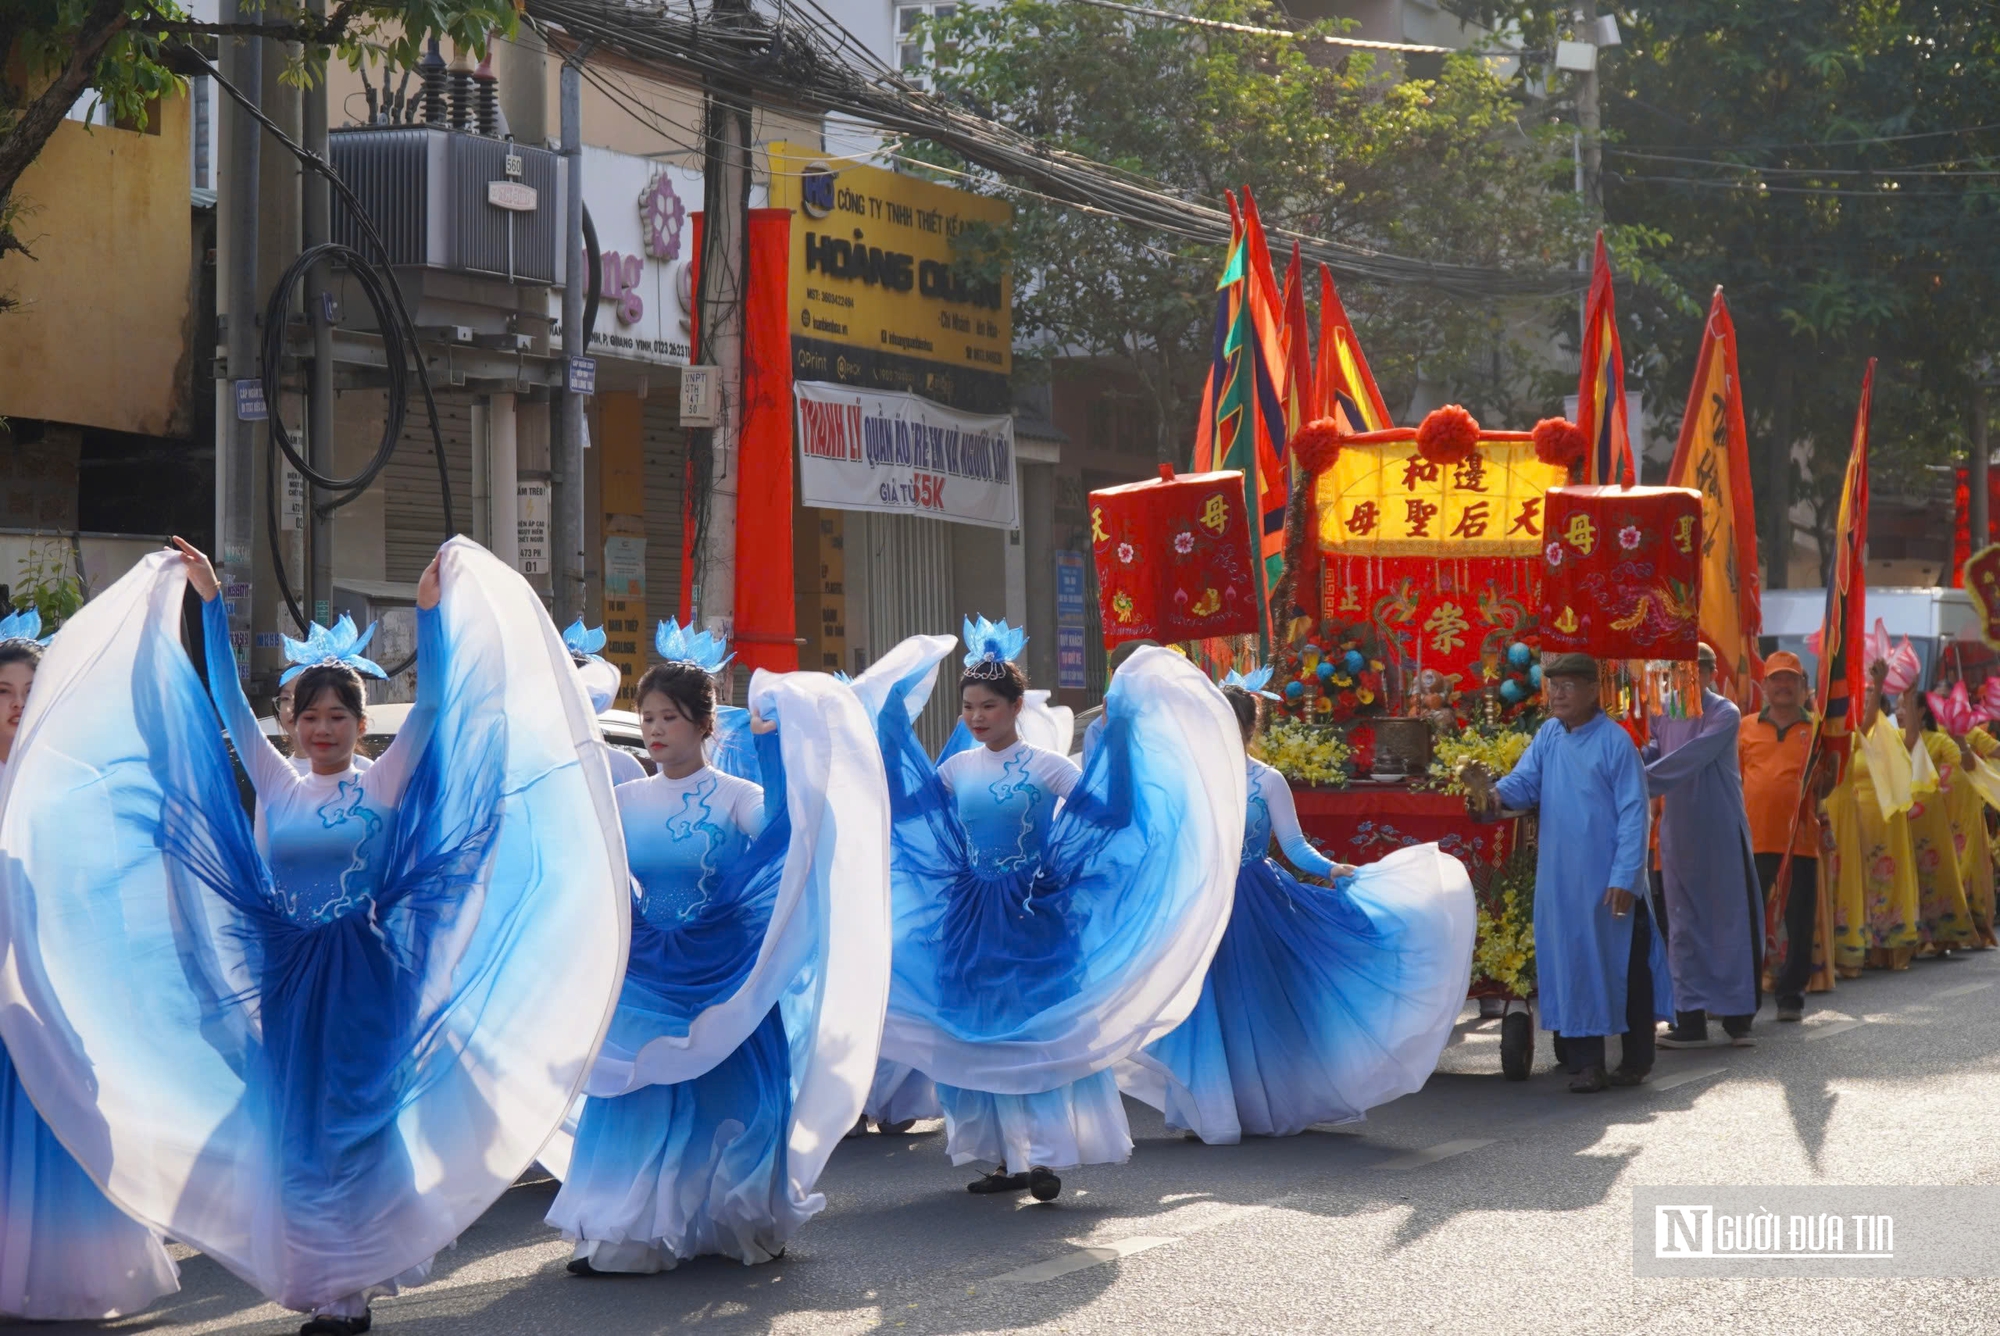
column 1475, row 1206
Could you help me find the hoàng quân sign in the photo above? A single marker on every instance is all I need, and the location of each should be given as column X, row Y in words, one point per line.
column 1385, row 499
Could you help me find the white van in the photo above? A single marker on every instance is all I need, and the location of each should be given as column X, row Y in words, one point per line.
column 1930, row 617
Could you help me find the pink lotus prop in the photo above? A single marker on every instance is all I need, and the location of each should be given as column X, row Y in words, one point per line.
column 1957, row 714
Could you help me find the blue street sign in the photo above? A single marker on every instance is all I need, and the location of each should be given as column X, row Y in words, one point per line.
column 250, row 401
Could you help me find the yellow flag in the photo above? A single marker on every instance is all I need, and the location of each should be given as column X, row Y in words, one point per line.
column 1714, row 458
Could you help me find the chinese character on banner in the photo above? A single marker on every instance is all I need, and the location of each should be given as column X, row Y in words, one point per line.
column 1624, row 572
column 1382, row 499
column 1174, row 558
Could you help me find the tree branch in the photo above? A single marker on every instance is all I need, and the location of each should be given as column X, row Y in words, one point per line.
column 100, row 26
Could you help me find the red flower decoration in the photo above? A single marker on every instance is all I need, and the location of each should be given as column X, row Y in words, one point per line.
column 1317, row 445
column 1560, row 442
column 1449, row 435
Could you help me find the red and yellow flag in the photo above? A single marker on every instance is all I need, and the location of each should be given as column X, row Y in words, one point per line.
column 1713, row 457
column 1843, row 664
column 1600, row 388
column 1342, row 384
column 1298, row 388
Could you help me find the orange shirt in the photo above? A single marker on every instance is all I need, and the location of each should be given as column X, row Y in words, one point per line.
column 1773, row 765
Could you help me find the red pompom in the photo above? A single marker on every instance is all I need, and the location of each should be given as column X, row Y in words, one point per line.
column 1317, row 445
column 1449, row 435
column 1560, row 442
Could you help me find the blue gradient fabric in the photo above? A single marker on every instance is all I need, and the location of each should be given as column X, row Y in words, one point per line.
column 317, row 1061
column 745, row 1039
column 1017, row 976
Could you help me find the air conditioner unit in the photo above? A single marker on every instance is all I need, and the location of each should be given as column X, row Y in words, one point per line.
column 451, row 200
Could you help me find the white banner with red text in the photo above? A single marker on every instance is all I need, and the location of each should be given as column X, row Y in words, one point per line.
column 897, row 453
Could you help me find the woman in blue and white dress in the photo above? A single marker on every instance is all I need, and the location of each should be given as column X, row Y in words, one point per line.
column 1049, row 921
column 746, row 1033
column 65, row 1251
column 1322, row 1001
column 316, row 1053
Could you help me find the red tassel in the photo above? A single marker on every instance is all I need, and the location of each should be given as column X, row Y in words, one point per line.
column 1317, row 445
column 1560, row 442
column 1448, row 435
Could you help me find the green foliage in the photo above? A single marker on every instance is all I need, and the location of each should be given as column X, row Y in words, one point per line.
column 49, row 583
column 1821, row 161
column 1333, row 142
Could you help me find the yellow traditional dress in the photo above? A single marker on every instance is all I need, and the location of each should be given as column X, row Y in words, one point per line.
column 1874, row 867
column 1969, row 801
column 1943, row 921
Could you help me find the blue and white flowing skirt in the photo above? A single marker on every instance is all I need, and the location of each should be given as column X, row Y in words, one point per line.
column 1321, row 1002
column 66, row 1253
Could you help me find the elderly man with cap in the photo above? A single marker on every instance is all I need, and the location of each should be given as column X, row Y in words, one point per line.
column 1771, row 751
column 1599, row 970
column 1714, row 907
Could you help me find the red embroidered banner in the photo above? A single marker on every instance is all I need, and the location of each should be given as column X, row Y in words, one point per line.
column 1624, row 572
column 1173, row 558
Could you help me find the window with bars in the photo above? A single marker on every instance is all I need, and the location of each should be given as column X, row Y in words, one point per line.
column 913, row 42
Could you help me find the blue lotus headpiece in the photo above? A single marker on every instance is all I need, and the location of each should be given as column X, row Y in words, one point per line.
column 1255, row 681
column 683, row 644
column 339, row 643
column 991, row 646
column 584, row 641
column 23, row 625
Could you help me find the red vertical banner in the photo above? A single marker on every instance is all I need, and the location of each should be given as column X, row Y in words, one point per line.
column 1600, row 388
column 687, row 474
column 766, row 624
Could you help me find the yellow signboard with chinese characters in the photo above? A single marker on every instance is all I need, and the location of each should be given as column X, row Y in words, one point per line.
column 1385, row 499
column 878, row 298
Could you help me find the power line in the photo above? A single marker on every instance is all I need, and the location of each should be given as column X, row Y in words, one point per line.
column 1832, row 143
column 1920, row 169
column 1761, row 188
column 1193, row 21
column 798, row 67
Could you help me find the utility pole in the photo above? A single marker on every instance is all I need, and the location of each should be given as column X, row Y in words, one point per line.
column 316, row 226
column 236, row 455
column 1979, row 521
column 725, row 265
column 566, row 527
column 1590, row 145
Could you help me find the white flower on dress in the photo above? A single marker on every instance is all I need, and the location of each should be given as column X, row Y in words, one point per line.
column 1554, row 552
column 1628, row 537
column 1125, row 553
column 1183, row 542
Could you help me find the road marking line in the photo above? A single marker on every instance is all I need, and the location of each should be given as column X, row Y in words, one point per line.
column 1832, row 1028
column 1682, row 1078
column 1965, row 988
column 1080, row 1260
column 1444, row 1150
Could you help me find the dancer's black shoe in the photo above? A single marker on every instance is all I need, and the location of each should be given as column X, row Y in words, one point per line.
column 328, row 1325
column 999, row 1181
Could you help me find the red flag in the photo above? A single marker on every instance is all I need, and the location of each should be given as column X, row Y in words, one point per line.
column 1342, row 383
column 1713, row 457
column 1298, row 391
column 1843, row 664
column 1600, row 388
column 1843, row 659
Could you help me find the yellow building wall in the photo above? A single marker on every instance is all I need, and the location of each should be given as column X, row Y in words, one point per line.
column 100, row 336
